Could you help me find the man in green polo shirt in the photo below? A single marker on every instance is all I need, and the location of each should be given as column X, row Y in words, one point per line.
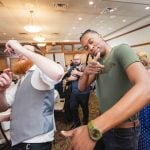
column 122, row 86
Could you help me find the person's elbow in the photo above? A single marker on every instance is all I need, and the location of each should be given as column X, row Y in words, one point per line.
column 59, row 74
column 145, row 85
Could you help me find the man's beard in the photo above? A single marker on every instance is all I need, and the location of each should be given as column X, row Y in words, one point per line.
column 20, row 67
column 77, row 64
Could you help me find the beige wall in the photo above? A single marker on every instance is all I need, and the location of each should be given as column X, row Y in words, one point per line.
column 3, row 63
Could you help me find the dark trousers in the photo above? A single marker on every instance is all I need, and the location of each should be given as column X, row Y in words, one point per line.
column 119, row 139
column 75, row 101
column 59, row 88
column 33, row 146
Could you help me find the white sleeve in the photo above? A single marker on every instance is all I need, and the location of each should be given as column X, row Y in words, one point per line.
column 10, row 93
column 46, row 79
column 41, row 81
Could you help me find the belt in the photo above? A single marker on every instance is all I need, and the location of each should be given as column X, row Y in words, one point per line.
column 129, row 124
column 28, row 146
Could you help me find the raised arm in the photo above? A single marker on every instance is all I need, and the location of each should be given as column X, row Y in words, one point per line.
column 85, row 81
column 49, row 67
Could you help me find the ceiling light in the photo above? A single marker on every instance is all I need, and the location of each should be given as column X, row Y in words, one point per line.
column 66, row 40
column 41, row 44
column 91, row 2
column 31, row 27
column 124, row 20
column 80, row 18
column 147, row 7
column 39, row 39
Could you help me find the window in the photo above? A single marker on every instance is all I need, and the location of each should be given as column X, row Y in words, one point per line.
column 53, row 48
column 68, row 47
column 77, row 47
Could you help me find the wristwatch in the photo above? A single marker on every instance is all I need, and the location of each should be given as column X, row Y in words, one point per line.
column 94, row 133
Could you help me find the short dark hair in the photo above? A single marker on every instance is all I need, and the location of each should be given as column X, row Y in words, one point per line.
column 88, row 31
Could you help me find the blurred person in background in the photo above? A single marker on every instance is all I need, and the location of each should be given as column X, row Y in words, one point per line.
column 144, row 139
column 77, row 98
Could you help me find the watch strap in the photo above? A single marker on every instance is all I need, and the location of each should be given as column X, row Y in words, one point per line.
column 94, row 133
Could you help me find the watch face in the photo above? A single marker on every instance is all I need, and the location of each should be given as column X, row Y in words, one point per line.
column 95, row 134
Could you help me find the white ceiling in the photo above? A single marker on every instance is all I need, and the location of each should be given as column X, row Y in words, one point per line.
column 59, row 18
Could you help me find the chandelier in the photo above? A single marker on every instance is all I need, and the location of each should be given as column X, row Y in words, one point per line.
column 41, row 44
column 31, row 27
column 39, row 38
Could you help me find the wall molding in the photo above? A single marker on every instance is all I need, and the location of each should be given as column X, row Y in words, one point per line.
column 136, row 29
column 142, row 44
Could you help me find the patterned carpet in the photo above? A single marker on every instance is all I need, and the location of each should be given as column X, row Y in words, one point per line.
column 60, row 142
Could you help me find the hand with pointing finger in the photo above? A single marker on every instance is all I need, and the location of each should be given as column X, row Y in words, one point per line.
column 94, row 67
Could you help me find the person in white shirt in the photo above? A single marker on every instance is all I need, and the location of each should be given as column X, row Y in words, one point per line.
column 32, row 99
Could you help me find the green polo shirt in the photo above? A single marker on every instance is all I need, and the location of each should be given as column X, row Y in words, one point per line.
column 113, row 83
